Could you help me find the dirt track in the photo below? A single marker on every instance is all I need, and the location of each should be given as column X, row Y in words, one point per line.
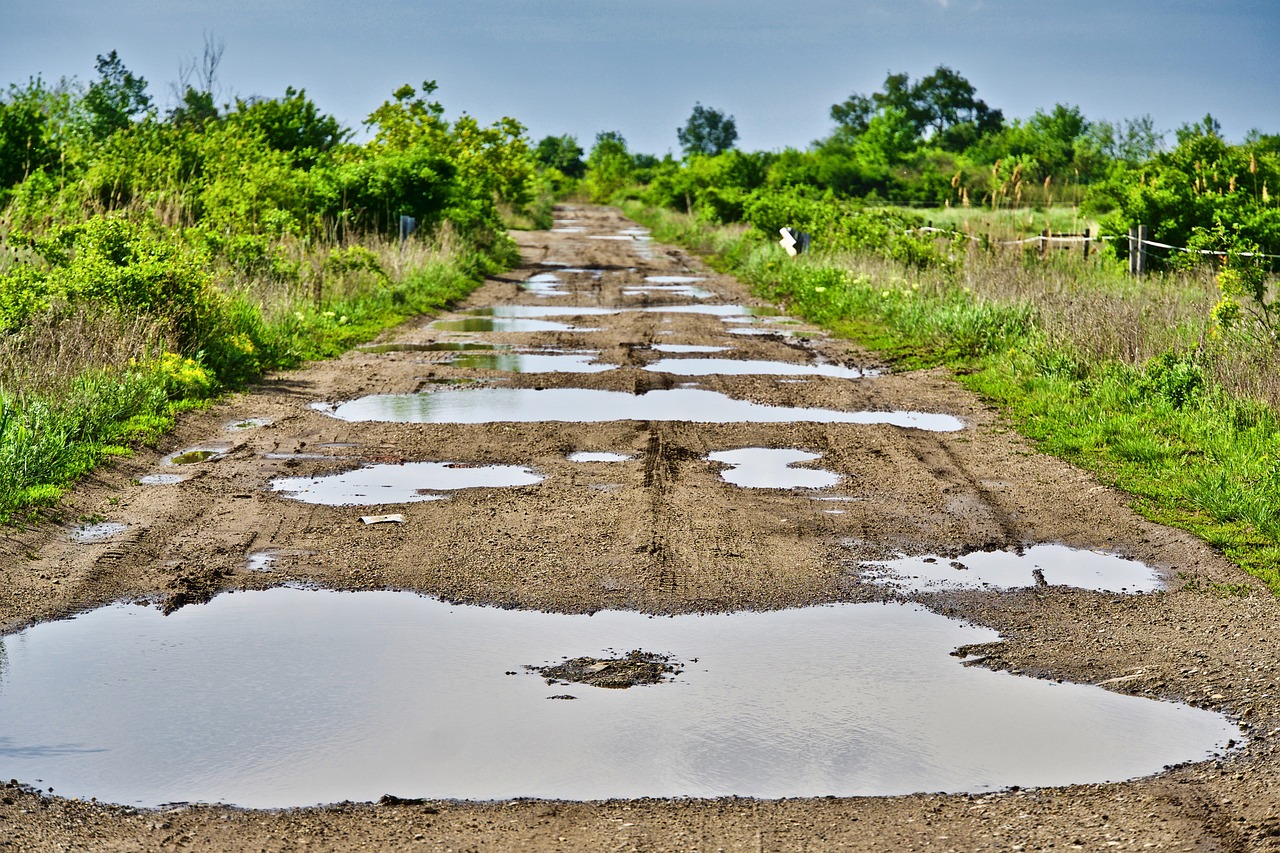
column 664, row 533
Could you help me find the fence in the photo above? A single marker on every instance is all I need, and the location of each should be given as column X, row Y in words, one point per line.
column 1137, row 237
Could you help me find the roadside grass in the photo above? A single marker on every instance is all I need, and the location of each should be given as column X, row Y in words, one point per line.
column 1125, row 378
column 85, row 381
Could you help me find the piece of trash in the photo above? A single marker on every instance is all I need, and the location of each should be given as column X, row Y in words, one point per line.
column 382, row 519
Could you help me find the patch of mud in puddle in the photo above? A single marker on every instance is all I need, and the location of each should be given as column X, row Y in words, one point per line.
column 580, row 405
column 748, row 367
column 440, row 346
column 411, row 482
column 161, row 479
column 195, row 455
column 317, row 696
column 598, row 456
column 634, row 668
column 247, row 424
column 687, row 348
column 86, row 534
column 771, row 468
column 1037, row 565
column 583, row 362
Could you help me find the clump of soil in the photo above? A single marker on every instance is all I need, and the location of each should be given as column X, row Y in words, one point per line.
column 635, row 667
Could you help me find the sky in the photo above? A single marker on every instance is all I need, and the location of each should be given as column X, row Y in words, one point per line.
column 638, row 66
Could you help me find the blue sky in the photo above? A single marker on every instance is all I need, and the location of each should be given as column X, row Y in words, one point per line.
column 638, row 66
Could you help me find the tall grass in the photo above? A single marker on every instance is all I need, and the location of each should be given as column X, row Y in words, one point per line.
column 1126, row 377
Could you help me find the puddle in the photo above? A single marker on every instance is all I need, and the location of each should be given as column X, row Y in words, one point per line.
column 260, row 561
column 581, row 405
column 161, row 479
column 504, row 324
column 317, row 697
column 756, row 330
column 411, row 482
column 247, row 424
column 534, row 362
column 87, row 534
column 745, row 367
column 445, row 346
column 674, row 279
column 1058, row 565
column 194, row 455
column 687, row 348
column 592, row 456
column 669, row 290
column 626, row 237
column 770, row 468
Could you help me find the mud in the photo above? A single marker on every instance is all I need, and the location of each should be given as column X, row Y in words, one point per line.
column 617, row 673
column 662, row 534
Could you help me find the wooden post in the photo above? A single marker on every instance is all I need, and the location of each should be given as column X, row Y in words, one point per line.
column 1142, row 250
column 1086, row 244
column 1044, row 243
column 1133, row 250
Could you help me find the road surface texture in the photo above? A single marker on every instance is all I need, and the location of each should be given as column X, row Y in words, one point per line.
column 664, row 533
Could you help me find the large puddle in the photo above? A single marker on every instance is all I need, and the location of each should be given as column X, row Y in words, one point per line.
column 1037, row 565
column 581, row 405
column 290, row 697
column 410, row 482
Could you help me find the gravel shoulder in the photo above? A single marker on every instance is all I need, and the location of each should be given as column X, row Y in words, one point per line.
column 663, row 533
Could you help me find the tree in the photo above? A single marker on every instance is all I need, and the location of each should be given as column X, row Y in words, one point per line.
column 562, row 153
column 196, row 106
column 609, row 166
column 941, row 107
column 115, row 98
column 291, row 124
column 708, row 131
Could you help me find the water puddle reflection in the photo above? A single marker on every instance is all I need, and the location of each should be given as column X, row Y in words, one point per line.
column 318, row 697
column 102, row 531
column 195, row 455
column 581, row 405
column 687, row 348
column 747, row 367
column 161, row 479
column 442, row 346
column 504, row 324
column 534, row 362
column 601, row 456
column 771, row 468
column 1037, row 565
column 410, row 482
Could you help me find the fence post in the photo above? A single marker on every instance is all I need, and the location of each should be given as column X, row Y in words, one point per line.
column 1044, row 243
column 1133, row 250
column 1143, row 235
column 1086, row 244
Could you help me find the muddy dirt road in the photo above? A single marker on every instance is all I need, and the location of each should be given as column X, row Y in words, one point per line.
column 661, row 531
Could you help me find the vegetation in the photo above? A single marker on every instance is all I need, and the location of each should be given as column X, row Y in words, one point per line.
column 148, row 262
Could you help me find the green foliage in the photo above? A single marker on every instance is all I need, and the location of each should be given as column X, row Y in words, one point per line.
column 942, row 105
column 115, row 98
column 561, row 153
column 1205, row 185
column 609, row 166
column 708, row 131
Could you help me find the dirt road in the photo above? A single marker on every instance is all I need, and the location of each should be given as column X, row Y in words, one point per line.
column 664, row 533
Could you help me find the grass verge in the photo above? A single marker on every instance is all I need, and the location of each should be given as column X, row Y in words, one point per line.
column 1134, row 389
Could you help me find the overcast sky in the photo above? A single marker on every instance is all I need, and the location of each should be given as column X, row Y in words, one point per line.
column 582, row 66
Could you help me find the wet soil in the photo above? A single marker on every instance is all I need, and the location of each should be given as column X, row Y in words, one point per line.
column 664, row 533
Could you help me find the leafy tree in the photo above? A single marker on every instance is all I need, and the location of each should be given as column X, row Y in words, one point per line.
column 291, row 124
column 609, row 166
column 25, row 131
column 115, row 98
column 708, row 131
column 941, row 107
column 562, row 153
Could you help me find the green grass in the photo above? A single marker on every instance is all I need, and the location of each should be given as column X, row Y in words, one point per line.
column 1192, row 454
